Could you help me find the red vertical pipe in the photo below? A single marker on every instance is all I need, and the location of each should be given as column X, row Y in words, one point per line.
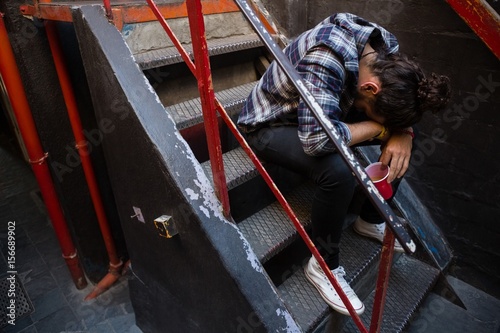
column 115, row 263
column 17, row 96
column 207, row 95
column 384, row 272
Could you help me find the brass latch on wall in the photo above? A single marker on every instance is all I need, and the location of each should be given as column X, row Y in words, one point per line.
column 165, row 226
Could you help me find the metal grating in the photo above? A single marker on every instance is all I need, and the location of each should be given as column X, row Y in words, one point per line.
column 304, row 301
column 13, row 291
column 410, row 281
column 189, row 113
column 270, row 230
column 238, row 168
column 170, row 55
column 357, row 255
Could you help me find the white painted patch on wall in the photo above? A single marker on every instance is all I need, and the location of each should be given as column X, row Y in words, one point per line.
column 192, row 194
column 205, row 211
column 291, row 326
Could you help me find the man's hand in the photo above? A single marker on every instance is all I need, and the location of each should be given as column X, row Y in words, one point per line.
column 396, row 153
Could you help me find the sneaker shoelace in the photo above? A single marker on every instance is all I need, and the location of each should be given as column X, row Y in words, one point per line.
column 339, row 273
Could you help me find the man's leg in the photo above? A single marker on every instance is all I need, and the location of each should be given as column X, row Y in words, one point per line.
column 334, row 180
column 335, row 187
column 368, row 211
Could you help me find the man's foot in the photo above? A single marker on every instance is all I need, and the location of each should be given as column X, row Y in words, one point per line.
column 318, row 278
column 375, row 231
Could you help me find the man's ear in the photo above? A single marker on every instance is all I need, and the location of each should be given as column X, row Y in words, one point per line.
column 370, row 87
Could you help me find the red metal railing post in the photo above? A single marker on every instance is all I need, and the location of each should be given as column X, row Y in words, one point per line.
column 384, row 271
column 17, row 95
column 107, row 8
column 205, row 86
column 115, row 264
column 203, row 75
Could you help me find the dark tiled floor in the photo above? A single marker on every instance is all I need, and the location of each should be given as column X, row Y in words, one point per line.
column 42, row 272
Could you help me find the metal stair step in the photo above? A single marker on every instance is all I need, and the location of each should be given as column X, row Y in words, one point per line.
column 358, row 255
column 189, row 113
column 237, row 166
column 170, row 55
column 410, row 282
column 270, row 230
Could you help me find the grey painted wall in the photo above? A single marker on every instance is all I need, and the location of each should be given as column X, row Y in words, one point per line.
column 456, row 168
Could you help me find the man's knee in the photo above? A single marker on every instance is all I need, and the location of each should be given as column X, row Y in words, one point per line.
column 337, row 173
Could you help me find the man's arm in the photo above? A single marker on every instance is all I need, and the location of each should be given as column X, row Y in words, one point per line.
column 363, row 131
column 396, row 151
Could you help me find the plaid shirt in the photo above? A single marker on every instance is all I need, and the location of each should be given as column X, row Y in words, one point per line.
column 327, row 58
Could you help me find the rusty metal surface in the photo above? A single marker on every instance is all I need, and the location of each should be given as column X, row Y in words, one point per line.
column 123, row 11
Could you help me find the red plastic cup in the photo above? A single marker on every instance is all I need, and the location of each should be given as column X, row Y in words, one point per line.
column 379, row 173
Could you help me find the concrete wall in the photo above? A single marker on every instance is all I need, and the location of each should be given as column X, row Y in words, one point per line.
column 455, row 170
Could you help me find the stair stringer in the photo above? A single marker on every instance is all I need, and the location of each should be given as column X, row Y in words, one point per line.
column 207, row 277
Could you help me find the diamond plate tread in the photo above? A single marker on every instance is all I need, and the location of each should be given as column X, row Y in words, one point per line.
column 170, row 55
column 270, row 230
column 305, row 303
column 189, row 113
column 238, row 168
column 410, row 282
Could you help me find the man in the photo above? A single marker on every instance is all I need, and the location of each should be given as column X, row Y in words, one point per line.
column 368, row 91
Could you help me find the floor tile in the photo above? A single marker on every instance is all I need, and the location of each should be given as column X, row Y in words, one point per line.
column 123, row 324
column 38, row 285
column 60, row 321
column 47, row 304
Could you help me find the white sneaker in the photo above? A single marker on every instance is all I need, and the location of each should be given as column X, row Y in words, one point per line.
column 318, row 278
column 375, row 231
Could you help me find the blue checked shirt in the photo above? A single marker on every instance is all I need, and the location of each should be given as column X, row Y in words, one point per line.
column 327, row 58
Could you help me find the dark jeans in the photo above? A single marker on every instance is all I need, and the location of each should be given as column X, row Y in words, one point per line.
column 334, row 180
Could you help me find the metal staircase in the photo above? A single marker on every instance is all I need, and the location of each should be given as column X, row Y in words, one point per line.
column 267, row 228
column 171, row 137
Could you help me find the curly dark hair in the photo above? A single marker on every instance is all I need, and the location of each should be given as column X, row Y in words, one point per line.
column 406, row 91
